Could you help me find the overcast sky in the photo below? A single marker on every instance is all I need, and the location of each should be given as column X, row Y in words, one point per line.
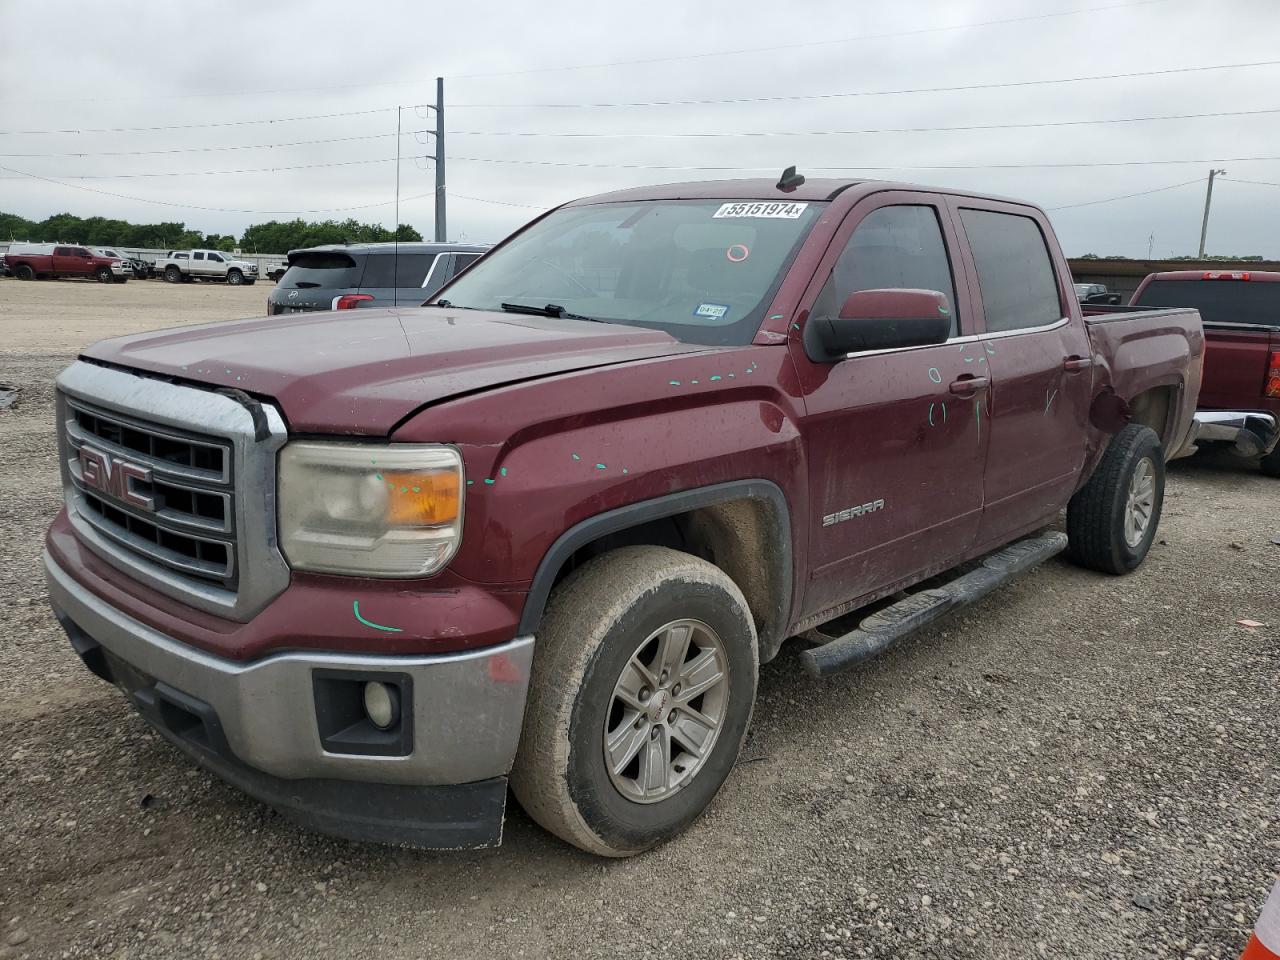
column 224, row 62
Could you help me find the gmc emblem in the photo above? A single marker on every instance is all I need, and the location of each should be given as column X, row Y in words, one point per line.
column 114, row 477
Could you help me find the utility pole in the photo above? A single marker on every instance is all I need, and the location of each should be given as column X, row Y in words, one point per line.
column 441, row 230
column 1208, row 199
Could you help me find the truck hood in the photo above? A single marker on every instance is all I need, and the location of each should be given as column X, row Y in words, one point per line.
column 362, row 371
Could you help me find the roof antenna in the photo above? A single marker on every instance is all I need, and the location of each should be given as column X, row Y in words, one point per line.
column 790, row 180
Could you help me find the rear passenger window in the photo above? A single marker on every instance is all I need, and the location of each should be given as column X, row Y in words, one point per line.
column 463, row 260
column 390, row 270
column 892, row 248
column 1015, row 275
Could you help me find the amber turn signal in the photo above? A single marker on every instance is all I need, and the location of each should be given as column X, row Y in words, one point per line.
column 422, row 498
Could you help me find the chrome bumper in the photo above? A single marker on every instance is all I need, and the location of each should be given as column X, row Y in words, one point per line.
column 1251, row 433
column 467, row 708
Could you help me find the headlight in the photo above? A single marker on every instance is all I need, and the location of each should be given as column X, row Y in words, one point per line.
column 376, row 511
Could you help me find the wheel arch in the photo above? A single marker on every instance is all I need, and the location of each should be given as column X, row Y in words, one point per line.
column 743, row 527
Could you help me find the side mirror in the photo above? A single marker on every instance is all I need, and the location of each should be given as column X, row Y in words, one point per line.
column 879, row 320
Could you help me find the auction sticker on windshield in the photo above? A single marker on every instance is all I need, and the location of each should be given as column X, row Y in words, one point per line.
column 767, row 209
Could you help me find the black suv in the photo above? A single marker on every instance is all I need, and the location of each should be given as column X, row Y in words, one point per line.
column 345, row 276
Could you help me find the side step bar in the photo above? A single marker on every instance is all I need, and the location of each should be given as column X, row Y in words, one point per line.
column 881, row 629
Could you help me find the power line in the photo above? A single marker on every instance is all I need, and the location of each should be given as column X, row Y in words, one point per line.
column 247, row 146
column 1126, row 196
column 1259, row 183
column 199, row 126
column 879, row 93
column 861, row 169
column 838, row 133
column 218, row 173
column 806, row 44
column 617, row 63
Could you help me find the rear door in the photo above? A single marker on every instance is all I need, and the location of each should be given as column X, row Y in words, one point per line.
column 315, row 278
column 1039, row 357
column 1241, row 328
column 894, row 455
column 70, row 261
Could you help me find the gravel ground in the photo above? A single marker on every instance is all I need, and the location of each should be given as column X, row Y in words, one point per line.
column 1078, row 766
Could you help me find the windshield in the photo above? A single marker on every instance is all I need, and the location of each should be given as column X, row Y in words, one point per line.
column 703, row 270
column 1219, row 301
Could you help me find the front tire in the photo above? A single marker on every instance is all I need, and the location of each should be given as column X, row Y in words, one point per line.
column 642, row 690
column 104, row 275
column 1271, row 463
column 1112, row 519
column 172, row 275
column 235, row 278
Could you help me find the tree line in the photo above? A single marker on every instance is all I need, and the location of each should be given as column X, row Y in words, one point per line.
column 274, row 236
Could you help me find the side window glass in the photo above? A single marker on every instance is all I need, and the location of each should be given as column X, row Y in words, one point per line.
column 463, row 260
column 61, row 252
column 379, row 271
column 892, row 248
column 412, row 268
column 1015, row 275
column 215, row 258
column 198, row 255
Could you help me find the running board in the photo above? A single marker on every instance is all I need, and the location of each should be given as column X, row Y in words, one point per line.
column 881, row 629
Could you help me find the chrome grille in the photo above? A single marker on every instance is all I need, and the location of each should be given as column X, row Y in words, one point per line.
column 180, row 488
column 190, row 527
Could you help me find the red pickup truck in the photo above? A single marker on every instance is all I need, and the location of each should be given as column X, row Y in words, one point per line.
column 36, row 261
column 1240, row 395
column 545, row 530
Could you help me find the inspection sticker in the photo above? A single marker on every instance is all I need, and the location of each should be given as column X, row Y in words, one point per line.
column 712, row 311
column 767, row 209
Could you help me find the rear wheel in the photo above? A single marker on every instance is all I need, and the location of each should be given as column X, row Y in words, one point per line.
column 172, row 275
column 104, row 275
column 235, row 277
column 642, row 690
column 24, row 272
column 1112, row 519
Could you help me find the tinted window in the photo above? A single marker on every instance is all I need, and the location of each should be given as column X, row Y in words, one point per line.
column 892, row 248
column 390, row 270
column 1015, row 275
column 215, row 258
column 463, row 260
column 323, row 268
column 197, row 255
column 1219, row 301
column 62, row 252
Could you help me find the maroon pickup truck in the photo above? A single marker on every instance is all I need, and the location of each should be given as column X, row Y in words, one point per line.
column 1240, row 395
column 38, row 261
column 371, row 568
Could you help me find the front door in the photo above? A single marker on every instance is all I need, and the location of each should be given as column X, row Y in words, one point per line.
column 895, row 451
column 1039, row 359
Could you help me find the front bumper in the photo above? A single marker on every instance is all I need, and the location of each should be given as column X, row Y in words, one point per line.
column 1251, row 433
column 258, row 725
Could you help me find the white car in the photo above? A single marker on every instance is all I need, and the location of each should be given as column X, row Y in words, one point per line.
column 184, row 265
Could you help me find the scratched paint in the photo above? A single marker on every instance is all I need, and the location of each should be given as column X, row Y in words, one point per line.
column 989, row 347
column 1049, row 400
column 977, row 416
column 935, row 375
column 941, row 415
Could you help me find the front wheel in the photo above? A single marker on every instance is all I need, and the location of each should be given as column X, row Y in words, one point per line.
column 104, row 275
column 1271, row 463
column 235, row 277
column 172, row 275
column 1112, row 519
column 643, row 686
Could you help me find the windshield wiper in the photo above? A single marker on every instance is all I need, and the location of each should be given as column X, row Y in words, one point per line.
column 550, row 310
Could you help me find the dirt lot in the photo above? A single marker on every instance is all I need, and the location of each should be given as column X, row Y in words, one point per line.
column 1079, row 766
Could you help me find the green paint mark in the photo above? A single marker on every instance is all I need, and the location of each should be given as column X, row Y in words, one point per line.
column 355, row 608
column 795, row 326
column 717, row 377
column 470, row 482
column 575, row 456
column 776, row 316
column 488, row 480
column 600, row 466
column 944, row 311
column 417, row 489
column 503, row 471
column 693, row 381
column 624, row 470
column 674, row 383
column 378, row 476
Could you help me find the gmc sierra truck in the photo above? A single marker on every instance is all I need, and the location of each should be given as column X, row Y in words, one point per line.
column 374, row 568
column 1240, row 395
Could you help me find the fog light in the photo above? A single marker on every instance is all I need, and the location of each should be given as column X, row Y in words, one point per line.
column 381, row 704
